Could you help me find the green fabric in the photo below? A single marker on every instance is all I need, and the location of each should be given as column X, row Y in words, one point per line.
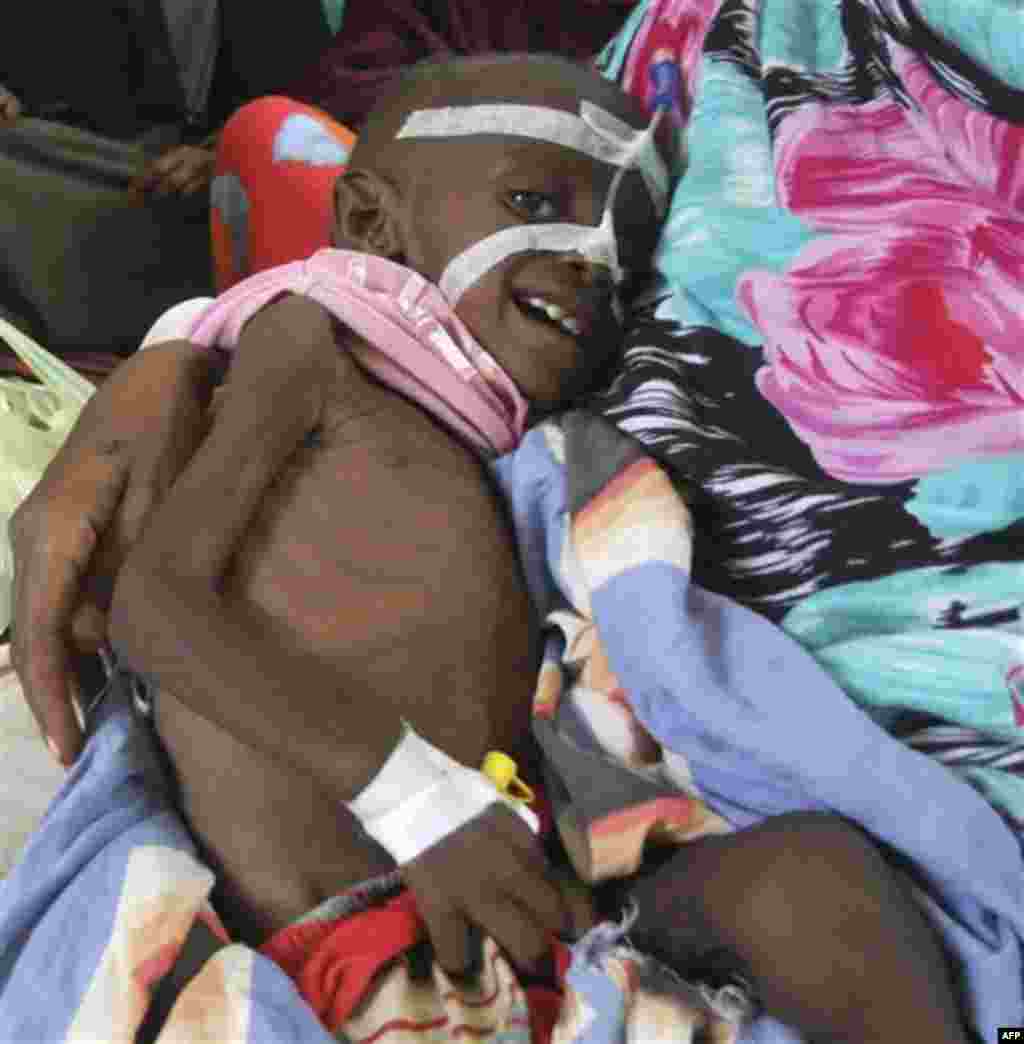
column 334, row 11
column 84, row 265
column 35, row 419
column 613, row 55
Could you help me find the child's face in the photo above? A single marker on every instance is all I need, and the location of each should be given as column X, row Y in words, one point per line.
column 546, row 315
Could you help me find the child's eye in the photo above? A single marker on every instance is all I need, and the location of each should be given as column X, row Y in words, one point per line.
column 537, row 206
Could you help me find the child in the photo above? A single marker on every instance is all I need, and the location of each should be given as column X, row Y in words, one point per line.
column 378, row 563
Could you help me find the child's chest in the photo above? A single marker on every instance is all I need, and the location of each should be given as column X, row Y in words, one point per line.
column 373, row 523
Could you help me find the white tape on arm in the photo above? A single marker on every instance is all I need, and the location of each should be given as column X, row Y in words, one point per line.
column 420, row 796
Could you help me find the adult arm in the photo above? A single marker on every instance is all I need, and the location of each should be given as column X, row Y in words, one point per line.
column 169, row 618
column 70, row 535
column 184, row 170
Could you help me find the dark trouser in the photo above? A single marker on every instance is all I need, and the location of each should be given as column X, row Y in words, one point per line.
column 83, row 265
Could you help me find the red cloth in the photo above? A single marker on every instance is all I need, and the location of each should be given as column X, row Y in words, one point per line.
column 378, row 37
column 270, row 209
column 333, row 963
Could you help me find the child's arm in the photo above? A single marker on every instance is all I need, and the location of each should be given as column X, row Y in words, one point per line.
column 169, row 620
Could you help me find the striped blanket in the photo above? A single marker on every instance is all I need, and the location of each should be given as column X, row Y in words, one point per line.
column 668, row 711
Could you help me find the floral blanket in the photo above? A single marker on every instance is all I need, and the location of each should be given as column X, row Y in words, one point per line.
column 833, row 365
column 668, row 711
column 830, row 370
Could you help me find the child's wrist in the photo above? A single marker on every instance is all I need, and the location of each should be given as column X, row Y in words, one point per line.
column 408, row 770
column 420, row 796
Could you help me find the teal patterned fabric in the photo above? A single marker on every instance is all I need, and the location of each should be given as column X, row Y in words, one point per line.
column 832, row 363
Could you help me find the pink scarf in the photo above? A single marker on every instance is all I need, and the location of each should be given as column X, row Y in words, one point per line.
column 419, row 346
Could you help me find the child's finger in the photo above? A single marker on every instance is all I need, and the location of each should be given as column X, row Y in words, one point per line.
column 452, row 938
column 516, row 928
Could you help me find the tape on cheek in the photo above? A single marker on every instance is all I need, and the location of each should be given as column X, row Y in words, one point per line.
column 594, row 243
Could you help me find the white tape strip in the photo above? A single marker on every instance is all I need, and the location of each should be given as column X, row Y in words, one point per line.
column 521, row 121
column 596, row 243
column 640, row 147
column 408, row 770
column 597, row 133
column 420, row 796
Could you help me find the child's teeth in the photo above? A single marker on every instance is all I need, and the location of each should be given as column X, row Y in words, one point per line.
column 555, row 313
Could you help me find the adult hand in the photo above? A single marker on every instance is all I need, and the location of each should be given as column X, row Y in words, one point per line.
column 10, row 108
column 70, row 535
column 185, row 170
column 490, row 874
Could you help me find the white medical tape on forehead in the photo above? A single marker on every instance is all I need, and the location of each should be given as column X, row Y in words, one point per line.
column 595, row 243
column 596, row 133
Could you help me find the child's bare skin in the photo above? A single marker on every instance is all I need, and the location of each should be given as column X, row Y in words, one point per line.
column 380, row 550
column 377, row 560
column 805, row 908
column 335, row 535
column 337, row 564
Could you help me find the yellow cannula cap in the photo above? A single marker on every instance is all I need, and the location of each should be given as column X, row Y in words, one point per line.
column 500, row 769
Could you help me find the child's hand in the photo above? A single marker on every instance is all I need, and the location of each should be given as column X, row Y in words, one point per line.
column 490, row 874
column 184, row 170
column 10, row 108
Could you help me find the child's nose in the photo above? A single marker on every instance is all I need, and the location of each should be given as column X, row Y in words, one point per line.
column 591, row 273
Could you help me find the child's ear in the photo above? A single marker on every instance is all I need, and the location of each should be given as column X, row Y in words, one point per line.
column 366, row 214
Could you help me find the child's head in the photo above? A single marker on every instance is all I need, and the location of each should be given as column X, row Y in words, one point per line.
column 490, row 176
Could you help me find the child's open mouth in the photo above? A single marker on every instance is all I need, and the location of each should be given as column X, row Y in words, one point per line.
column 543, row 310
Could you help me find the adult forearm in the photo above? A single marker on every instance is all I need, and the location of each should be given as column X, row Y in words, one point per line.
column 224, row 663
column 165, row 380
column 169, row 619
